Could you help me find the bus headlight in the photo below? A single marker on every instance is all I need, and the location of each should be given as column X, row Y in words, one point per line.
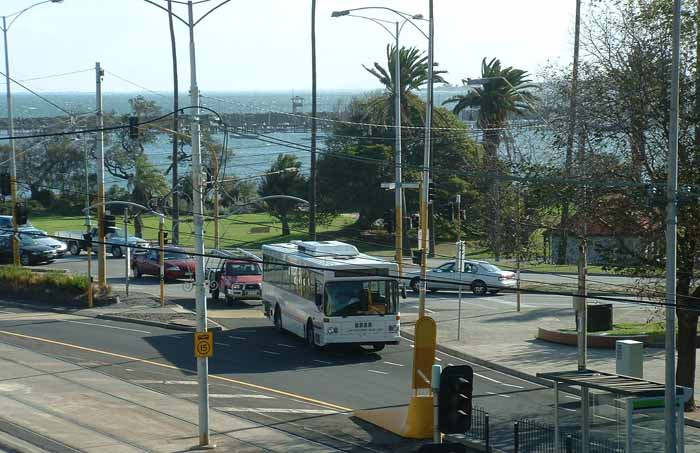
column 394, row 328
column 332, row 330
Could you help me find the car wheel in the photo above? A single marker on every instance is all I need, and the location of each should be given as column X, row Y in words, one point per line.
column 278, row 319
column 116, row 251
column 215, row 294
column 74, row 249
column 377, row 347
column 479, row 288
column 25, row 260
column 493, row 292
column 137, row 272
column 415, row 285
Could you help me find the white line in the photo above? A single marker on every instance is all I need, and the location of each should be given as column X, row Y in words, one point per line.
column 167, row 382
column 392, row 363
column 270, row 410
column 271, row 352
column 285, row 345
column 498, row 394
column 438, row 359
column 108, row 327
column 378, row 372
column 222, row 344
column 512, row 304
column 227, row 396
column 236, row 338
column 323, row 362
column 488, row 378
column 450, row 364
column 567, row 409
column 428, row 310
column 571, row 397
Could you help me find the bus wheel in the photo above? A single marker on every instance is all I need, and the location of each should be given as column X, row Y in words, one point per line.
column 377, row 347
column 278, row 319
column 310, row 334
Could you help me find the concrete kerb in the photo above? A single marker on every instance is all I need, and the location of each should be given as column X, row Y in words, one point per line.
column 215, row 326
column 512, row 371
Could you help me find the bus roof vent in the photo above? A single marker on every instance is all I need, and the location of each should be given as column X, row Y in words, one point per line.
column 327, row 248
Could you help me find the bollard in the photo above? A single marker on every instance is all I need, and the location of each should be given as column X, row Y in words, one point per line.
column 487, row 433
column 516, row 437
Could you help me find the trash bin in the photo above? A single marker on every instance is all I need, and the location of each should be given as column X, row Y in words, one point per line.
column 416, row 256
column 599, row 317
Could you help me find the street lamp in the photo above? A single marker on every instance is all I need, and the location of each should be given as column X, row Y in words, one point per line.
column 398, row 26
column 11, row 124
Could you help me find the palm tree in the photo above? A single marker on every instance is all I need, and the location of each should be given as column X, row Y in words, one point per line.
column 505, row 92
column 414, row 74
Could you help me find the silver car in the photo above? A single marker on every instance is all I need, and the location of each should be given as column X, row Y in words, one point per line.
column 42, row 237
column 478, row 276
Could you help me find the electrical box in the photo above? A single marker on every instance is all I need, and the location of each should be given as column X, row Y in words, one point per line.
column 629, row 358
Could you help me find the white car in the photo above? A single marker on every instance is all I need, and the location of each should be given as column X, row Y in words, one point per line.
column 479, row 276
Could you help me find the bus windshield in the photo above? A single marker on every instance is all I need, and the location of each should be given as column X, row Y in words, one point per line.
column 359, row 298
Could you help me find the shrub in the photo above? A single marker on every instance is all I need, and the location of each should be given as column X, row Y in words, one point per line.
column 20, row 281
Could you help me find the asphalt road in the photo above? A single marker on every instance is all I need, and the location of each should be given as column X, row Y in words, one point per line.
column 275, row 379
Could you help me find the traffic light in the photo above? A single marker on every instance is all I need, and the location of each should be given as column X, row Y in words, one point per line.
column 110, row 225
column 5, row 185
column 165, row 237
column 133, row 127
column 455, row 399
column 87, row 238
column 389, row 221
column 21, row 213
column 431, row 191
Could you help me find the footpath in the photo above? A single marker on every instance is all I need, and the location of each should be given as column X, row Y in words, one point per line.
column 50, row 405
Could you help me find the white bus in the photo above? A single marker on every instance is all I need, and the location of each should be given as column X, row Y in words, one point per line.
column 328, row 293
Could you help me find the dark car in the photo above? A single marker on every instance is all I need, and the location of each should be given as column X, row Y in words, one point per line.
column 32, row 251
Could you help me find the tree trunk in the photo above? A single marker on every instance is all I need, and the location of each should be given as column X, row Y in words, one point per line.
column 687, row 334
column 138, row 226
column 176, row 124
column 286, row 231
column 491, row 142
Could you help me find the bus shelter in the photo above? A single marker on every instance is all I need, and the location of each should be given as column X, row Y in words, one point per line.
column 624, row 409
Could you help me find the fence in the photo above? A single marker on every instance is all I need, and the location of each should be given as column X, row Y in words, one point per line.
column 480, row 429
column 533, row 437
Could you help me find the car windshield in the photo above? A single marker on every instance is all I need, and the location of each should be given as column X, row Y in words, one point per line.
column 490, row 267
column 356, row 298
column 173, row 255
column 242, row 269
column 28, row 240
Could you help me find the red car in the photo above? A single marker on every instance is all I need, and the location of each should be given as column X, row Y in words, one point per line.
column 177, row 264
column 237, row 280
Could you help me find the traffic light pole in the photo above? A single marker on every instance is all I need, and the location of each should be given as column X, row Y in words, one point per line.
column 101, row 248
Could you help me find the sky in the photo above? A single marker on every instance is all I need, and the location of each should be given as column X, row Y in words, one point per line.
column 264, row 45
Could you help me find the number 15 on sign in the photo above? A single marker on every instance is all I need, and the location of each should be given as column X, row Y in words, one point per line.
column 203, row 344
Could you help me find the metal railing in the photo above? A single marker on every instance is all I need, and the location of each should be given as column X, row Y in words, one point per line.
column 534, row 437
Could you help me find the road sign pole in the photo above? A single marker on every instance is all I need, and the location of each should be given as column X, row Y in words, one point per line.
column 126, row 250
column 460, row 269
column 435, row 384
column 89, row 271
column 101, row 248
column 161, row 245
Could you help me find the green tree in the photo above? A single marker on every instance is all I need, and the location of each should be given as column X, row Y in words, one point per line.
column 282, row 181
column 505, row 92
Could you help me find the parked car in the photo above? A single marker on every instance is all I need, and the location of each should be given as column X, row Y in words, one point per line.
column 479, row 276
column 237, row 280
column 6, row 224
column 178, row 263
column 31, row 250
column 115, row 241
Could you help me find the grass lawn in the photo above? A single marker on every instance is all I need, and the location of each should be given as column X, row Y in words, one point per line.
column 237, row 231
column 632, row 328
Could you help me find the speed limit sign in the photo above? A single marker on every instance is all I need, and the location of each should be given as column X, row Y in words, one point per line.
column 203, row 344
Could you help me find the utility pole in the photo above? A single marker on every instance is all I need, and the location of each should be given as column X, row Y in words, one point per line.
column 13, row 155
column 518, row 245
column 397, row 157
column 200, row 294
column 126, row 250
column 426, row 167
column 161, row 258
column 314, row 125
column 215, row 186
column 671, row 227
column 176, row 128
column 101, row 248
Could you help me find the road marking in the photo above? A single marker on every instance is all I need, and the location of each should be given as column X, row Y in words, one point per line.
column 285, row 345
column 236, row 338
column 222, row 344
column 567, row 409
column 450, row 364
column 512, row 304
column 392, row 363
column 160, row 381
column 428, row 310
column 378, row 372
column 323, row 362
column 227, row 396
column 271, row 352
column 438, row 359
column 272, row 410
column 498, row 394
column 572, row 397
column 108, row 327
column 173, row 367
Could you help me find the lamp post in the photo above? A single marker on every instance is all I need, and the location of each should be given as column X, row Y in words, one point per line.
column 398, row 26
column 11, row 124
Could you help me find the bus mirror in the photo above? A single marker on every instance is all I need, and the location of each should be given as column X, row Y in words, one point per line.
column 319, row 300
